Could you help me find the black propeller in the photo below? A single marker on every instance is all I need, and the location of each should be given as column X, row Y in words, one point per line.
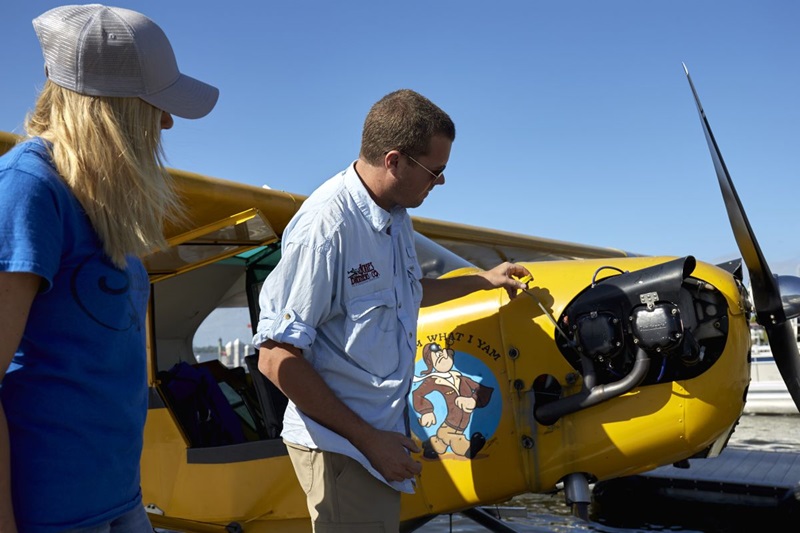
column 773, row 310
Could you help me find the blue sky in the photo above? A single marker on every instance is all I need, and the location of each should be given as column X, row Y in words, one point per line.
column 574, row 118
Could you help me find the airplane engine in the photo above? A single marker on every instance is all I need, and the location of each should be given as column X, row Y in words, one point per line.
column 636, row 308
column 649, row 326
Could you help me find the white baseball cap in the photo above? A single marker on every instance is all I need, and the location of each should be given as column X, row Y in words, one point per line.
column 110, row 51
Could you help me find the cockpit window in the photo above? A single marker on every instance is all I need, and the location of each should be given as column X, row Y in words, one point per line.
column 435, row 259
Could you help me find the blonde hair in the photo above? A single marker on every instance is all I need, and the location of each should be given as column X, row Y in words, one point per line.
column 108, row 150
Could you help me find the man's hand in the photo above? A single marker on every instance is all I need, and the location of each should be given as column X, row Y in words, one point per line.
column 387, row 452
column 501, row 276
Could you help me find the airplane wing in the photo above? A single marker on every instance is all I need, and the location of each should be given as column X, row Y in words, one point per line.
column 486, row 247
column 7, row 140
column 226, row 218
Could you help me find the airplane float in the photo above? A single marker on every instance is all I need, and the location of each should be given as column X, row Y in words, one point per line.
column 608, row 365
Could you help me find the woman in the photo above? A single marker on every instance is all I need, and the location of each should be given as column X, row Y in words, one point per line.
column 80, row 200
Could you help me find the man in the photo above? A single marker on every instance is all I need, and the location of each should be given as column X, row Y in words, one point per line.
column 337, row 331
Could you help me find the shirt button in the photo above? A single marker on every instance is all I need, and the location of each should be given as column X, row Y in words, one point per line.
column 410, row 335
column 400, row 306
column 287, row 316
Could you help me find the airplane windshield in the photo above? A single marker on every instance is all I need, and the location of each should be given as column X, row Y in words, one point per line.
column 435, row 259
column 226, row 295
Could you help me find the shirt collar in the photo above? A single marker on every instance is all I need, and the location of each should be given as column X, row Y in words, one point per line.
column 378, row 217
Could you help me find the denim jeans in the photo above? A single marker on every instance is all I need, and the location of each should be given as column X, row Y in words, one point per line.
column 134, row 521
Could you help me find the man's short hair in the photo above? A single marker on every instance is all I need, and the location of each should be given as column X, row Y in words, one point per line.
column 403, row 120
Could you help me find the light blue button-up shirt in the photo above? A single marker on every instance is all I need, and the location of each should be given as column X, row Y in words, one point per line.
column 347, row 293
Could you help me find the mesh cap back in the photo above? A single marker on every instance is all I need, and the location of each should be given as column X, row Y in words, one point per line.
column 109, row 51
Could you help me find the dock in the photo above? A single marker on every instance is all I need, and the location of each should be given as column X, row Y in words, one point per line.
column 730, row 492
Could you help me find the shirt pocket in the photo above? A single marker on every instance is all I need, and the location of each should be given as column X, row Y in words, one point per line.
column 372, row 332
column 413, row 271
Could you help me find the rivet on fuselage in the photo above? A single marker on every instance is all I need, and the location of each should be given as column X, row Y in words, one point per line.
column 513, row 353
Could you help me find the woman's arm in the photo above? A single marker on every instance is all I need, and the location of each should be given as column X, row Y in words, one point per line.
column 17, row 291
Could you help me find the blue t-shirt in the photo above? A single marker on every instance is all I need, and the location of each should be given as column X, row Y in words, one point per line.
column 75, row 395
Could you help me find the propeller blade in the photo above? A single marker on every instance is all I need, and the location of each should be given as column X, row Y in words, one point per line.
column 764, row 286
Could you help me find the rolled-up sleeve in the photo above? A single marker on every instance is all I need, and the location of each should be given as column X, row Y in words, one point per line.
column 295, row 297
column 285, row 327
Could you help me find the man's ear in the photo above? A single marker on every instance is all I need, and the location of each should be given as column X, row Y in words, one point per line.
column 391, row 159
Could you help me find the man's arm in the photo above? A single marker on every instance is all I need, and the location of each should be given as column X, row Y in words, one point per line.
column 17, row 291
column 286, row 367
column 436, row 291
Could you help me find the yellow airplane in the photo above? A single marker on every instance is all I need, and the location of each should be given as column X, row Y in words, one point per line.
column 608, row 365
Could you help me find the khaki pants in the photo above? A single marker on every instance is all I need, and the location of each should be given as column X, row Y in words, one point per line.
column 342, row 495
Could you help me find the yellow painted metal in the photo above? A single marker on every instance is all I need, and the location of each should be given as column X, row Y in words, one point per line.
column 7, row 140
column 209, row 229
column 645, row 428
column 471, row 326
column 486, row 247
column 213, row 242
column 248, row 492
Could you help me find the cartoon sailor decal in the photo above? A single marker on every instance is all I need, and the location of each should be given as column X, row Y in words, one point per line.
column 460, row 396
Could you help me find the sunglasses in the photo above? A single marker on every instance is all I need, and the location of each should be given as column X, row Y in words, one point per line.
column 435, row 175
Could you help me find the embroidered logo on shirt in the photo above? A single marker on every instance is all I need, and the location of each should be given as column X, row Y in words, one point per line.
column 364, row 272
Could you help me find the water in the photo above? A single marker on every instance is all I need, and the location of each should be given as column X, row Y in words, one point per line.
column 548, row 513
